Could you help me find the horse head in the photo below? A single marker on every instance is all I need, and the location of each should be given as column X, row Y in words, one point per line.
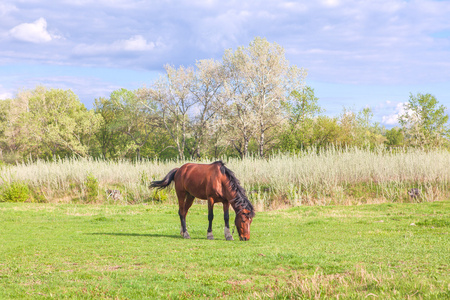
column 243, row 220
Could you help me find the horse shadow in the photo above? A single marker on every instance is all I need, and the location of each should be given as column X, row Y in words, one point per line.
column 173, row 236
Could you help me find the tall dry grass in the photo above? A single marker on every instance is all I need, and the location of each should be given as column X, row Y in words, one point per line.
column 333, row 176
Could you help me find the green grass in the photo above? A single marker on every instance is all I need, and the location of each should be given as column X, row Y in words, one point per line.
column 59, row 251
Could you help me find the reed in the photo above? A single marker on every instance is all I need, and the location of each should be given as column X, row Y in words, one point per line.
column 331, row 176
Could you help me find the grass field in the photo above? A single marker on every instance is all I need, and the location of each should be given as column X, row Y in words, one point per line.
column 391, row 250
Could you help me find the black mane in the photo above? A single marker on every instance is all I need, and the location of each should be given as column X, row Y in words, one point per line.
column 241, row 201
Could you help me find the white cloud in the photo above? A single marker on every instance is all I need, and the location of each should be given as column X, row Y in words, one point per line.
column 35, row 32
column 120, row 4
column 136, row 43
column 6, row 9
column 331, row 3
column 392, row 119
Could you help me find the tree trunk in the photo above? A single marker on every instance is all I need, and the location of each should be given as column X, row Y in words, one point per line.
column 138, row 154
column 261, row 144
column 245, row 150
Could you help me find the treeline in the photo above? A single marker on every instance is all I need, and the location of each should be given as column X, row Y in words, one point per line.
column 252, row 102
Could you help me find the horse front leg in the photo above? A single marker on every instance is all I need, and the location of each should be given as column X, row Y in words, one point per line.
column 209, row 234
column 226, row 217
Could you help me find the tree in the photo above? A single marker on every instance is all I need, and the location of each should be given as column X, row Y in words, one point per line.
column 236, row 112
column 259, row 81
column 394, row 137
column 15, row 132
column 172, row 94
column 135, row 116
column 49, row 122
column 325, row 131
column 4, row 113
column 301, row 109
column 207, row 83
column 358, row 130
column 424, row 121
column 106, row 138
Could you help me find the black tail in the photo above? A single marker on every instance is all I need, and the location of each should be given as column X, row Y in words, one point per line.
column 166, row 180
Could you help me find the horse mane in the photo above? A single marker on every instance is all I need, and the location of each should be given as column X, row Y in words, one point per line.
column 241, row 201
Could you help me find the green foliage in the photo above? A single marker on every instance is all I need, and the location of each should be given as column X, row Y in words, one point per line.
column 91, row 188
column 394, row 137
column 15, row 191
column 301, row 107
column 50, row 122
column 159, row 196
column 38, row 196
column 357, row 130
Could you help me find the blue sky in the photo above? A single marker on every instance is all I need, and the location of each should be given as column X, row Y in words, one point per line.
column 358, row 53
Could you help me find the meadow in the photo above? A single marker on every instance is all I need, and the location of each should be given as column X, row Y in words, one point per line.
column 78, row 251
column 327, row 177
column 336, row 223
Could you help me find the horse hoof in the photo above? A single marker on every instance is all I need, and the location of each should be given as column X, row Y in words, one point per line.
column 186, row 235
column 228, row 235
column 209, row 236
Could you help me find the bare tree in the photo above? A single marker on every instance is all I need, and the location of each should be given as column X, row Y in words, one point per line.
column 206, row 89
column 260, row 80
column 172, row 92
column 237, row 114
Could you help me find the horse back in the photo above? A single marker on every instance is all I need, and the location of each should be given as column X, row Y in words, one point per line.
column 202, row 181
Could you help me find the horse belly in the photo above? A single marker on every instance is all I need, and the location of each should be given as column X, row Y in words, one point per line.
column 202, row 182
column 204, row 191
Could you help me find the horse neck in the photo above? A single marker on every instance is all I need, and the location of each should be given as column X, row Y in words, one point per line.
column 235, row 207
column 230, row 195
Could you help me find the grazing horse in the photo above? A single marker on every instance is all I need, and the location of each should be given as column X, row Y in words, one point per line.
column 215, row 183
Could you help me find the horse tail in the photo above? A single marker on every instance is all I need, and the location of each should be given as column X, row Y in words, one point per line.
column 160, row 184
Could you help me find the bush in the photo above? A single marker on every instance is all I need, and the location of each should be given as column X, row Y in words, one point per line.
column 159, row 195
column 91, row 188
column 14, row 192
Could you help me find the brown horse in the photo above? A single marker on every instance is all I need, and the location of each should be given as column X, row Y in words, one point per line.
column 215, row 183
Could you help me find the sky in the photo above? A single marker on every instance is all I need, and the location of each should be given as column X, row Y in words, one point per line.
column 358, row 53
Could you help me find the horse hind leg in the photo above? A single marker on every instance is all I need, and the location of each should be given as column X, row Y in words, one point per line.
column 184, row 202
column 183, row 230
column 209, row 234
